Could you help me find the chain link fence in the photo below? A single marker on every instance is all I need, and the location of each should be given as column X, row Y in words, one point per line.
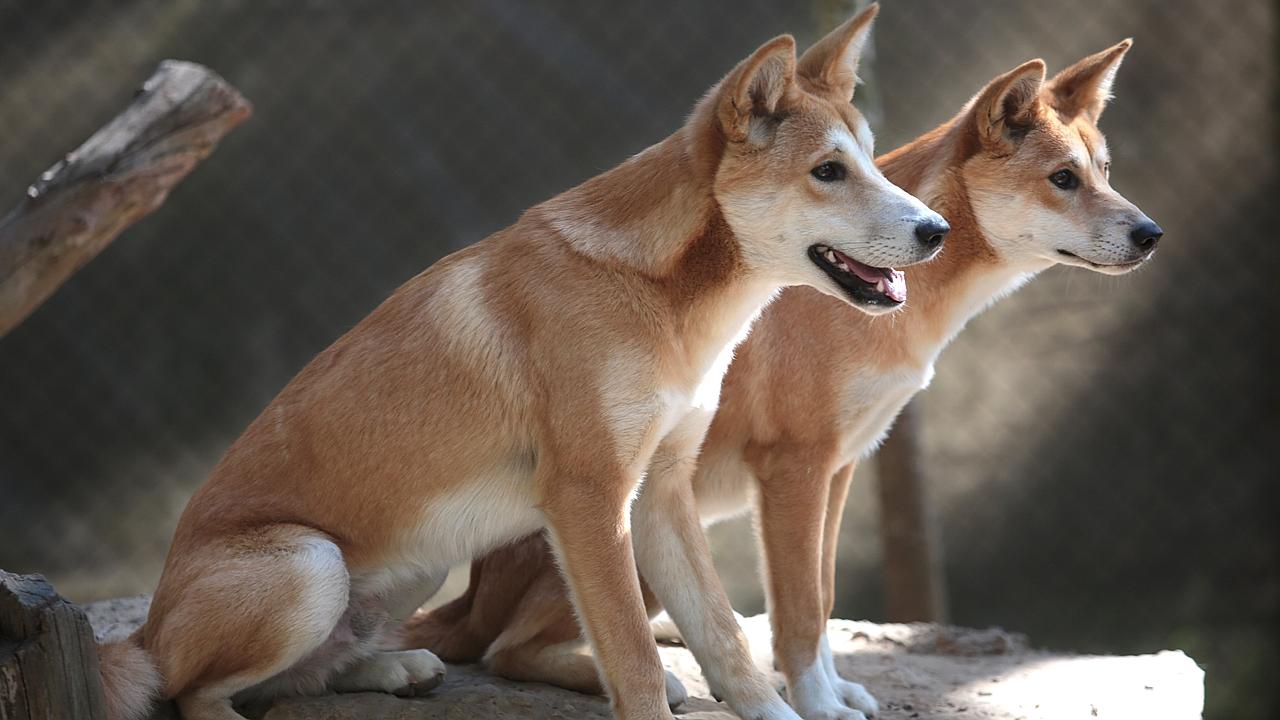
column 1097, row 448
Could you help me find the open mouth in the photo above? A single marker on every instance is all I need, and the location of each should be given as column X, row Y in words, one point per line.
column 1104, row 266
column 864, row 284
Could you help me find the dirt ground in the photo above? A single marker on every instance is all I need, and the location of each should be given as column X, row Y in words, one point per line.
column 923, row 672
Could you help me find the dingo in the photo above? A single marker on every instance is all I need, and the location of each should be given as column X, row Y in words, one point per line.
column 1021, row 174
column 526, row 382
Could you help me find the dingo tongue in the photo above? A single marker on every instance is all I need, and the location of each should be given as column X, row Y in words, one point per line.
column 887, row 280
column 895, row 285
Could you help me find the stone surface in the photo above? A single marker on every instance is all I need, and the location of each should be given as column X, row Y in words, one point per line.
column 917, row 672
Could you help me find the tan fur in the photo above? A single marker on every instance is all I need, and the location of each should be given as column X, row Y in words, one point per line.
column 818, row 384
column 528, row 381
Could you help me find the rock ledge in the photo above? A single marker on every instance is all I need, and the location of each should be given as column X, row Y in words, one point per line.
column 917, row 672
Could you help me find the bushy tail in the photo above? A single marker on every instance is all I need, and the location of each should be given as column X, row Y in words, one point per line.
column 130, row 679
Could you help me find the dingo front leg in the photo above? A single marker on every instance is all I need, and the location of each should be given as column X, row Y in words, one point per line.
column 792, row 512
column 672, row 552
column 836, row 498
column 589, row 529
column 853, row 694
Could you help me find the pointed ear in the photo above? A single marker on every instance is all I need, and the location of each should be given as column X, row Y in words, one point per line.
column 758, row 87
column 1085, row 88
column 831, row 65
column 1007, row 106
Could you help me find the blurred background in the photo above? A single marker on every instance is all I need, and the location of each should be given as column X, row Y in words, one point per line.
column 1094, row 449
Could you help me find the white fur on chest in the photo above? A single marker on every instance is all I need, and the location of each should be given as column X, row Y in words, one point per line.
column 706, row 394
column 480, row 514
column 872, row 402
column 978, row 294
column 873, row 399
column 640, row 414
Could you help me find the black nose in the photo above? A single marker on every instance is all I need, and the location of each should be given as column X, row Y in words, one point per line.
column 931, row 232
column 1146, row 234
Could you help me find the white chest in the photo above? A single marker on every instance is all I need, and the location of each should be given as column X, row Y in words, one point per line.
column 872, row 402
column 645, row 414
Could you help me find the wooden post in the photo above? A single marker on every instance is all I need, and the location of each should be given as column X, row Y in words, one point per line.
column 913, row 584
column 119, row 175
column 48, row 659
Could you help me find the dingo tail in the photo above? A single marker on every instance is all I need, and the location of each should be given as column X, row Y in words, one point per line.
column 130, row 679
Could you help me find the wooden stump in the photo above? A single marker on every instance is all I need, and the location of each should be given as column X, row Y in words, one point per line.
column 48, row 658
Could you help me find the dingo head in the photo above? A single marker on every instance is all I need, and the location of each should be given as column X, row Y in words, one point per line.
column 1039, row 184
column 797, row 180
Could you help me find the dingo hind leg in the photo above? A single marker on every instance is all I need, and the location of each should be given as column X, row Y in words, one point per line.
column 568, row 664
column 540, row 641
column 272, row 612
column 240, row 610
column 360, row 654
column 462, row 630
column 518, row 603
column 544, row 644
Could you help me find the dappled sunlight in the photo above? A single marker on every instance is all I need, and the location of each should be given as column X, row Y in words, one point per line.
column 1166, row 685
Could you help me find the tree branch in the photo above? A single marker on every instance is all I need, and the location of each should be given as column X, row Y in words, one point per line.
column 118, row 176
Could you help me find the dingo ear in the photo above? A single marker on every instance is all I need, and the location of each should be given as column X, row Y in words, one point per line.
column 758, row 88
column 1085, row 88
column 1007, row 106
column 831, row 65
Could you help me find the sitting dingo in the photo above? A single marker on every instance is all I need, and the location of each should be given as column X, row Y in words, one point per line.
column 1021, row 173
column 524, row 383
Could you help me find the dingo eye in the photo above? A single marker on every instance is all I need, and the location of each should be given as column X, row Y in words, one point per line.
column 1065, row 180
column 829, row 171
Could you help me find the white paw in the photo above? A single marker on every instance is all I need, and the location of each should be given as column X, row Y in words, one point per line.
column 407, row 673
column 814, row 697
column 676, row 694
column 856, row 696
column 824, row 706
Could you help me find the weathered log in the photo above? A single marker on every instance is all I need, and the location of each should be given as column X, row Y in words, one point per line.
column 48, row 660
column 119, row 175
